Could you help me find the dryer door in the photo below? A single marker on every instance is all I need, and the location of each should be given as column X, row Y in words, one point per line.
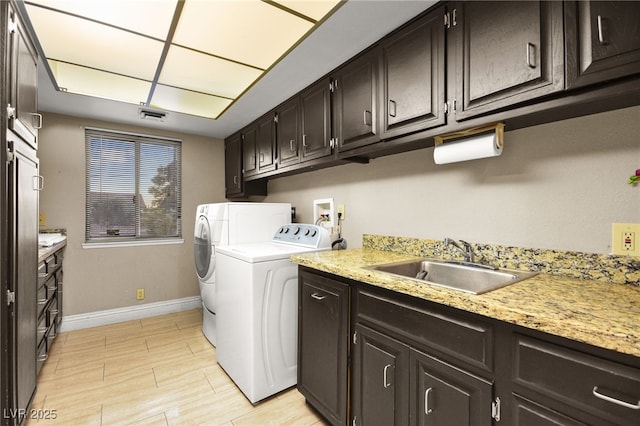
column 202, row 249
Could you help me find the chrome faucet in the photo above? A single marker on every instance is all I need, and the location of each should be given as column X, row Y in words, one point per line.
column 463, row 247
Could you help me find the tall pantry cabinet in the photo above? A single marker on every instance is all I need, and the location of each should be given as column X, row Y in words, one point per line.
column 20, row 182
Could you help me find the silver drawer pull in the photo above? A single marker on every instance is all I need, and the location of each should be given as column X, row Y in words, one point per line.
column 43, row 275
column 43, row 357
column 318, row 296
column 42, row 301
column 607, row 398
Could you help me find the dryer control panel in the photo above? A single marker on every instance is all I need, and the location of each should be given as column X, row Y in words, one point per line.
column 305, row 235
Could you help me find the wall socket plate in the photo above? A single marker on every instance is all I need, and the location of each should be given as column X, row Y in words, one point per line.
column 625, row 239
column 140, row 294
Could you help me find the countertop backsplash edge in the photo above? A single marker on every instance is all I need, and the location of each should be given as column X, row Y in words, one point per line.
column 613, row 269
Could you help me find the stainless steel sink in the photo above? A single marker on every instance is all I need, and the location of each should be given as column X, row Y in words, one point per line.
column 462, row 276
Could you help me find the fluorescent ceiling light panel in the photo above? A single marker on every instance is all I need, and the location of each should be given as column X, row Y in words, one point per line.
column 208, row 74
column 78, row 41
column 148, row 17
column 92, row 82
column 188, row 102
column 191, row 56
column 250, row 32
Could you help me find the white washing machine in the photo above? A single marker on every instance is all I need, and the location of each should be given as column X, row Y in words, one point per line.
column 229, row 223
column 257, row 315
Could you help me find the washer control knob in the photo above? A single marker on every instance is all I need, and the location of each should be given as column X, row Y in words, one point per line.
column 296, row 230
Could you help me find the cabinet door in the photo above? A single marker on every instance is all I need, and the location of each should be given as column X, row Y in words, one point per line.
column 380, row 371
column 23, row 187
column 355, row 100
column 603, row 41
column 315, row 104
column 413, row 80
column 24, row 119
column 444, row 395
column 265, row 143
column 233, row 165
column 288, row 132
column 323, row 344
column 249, row 151
column 507, row 52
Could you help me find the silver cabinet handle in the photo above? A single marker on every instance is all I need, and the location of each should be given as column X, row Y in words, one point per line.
column 366, row 114
column 531, row 49
column 385, row 383
column 38, row 183
column 392, row 108
column 261, row 157
column 616, row 401
column 291, row 148
column 304, row 140
column 39, row 117
column 600, row 30
column 235, row 180
column 318, row 296
column 427, row 410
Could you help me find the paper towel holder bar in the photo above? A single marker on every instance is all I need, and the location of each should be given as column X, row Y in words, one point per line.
column 497, row 128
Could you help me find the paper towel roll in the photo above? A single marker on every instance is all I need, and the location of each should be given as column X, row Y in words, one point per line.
column 471, row 148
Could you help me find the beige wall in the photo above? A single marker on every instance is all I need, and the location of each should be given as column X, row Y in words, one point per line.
column 105, row 278
column 557, row 186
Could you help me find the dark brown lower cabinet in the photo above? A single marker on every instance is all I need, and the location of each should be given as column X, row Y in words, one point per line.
column 408, row 361
column 380, row 385
column 444, row 394
column 323, row 344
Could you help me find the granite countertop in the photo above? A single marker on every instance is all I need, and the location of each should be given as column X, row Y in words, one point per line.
column 600, row 314
column 44, row 252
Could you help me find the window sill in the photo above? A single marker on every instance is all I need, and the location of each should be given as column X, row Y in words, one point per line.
column 131, row 243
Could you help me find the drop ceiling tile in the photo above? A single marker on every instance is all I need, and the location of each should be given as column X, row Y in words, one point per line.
column 251, row 32
column 188, row 102
column 203, row 73
column 78, row 41
column 150, row 17
column 87, row 81
column 315, row 9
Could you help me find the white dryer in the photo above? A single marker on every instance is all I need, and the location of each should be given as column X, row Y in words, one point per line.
column 257, row 315
column 229, row 223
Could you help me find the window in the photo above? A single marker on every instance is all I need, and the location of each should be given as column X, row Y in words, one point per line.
column 133, row 187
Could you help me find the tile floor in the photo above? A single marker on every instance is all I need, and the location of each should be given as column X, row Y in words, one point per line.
column 153, row 371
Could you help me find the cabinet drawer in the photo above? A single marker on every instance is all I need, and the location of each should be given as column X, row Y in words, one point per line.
column 593, row 385
column 462, row 338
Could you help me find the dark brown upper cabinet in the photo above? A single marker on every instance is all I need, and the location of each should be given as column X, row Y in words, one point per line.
column 249, row 150
column 503, row 53
column 603, row 41
column 288, row 133
column 315, row 105
column 22, row 108
column 258, row 146
column 355, row 99
column 233, row 181
column 413, row 77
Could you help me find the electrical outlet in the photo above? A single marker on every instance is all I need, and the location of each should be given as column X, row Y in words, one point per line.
column 624, row 236
column 341, row 211
column 42, row 219
column 140, row 294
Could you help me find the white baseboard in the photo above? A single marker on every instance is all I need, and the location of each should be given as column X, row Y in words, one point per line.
column 112, row 316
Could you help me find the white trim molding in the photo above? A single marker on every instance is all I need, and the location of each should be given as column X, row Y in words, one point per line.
column 112, row 316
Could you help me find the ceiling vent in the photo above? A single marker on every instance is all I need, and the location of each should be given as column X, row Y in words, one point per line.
column 151, row 114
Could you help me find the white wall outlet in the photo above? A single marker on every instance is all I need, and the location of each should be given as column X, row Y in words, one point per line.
column 341, row 211
column 623, row 239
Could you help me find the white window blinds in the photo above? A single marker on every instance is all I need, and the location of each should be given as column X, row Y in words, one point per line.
column 133, row 186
